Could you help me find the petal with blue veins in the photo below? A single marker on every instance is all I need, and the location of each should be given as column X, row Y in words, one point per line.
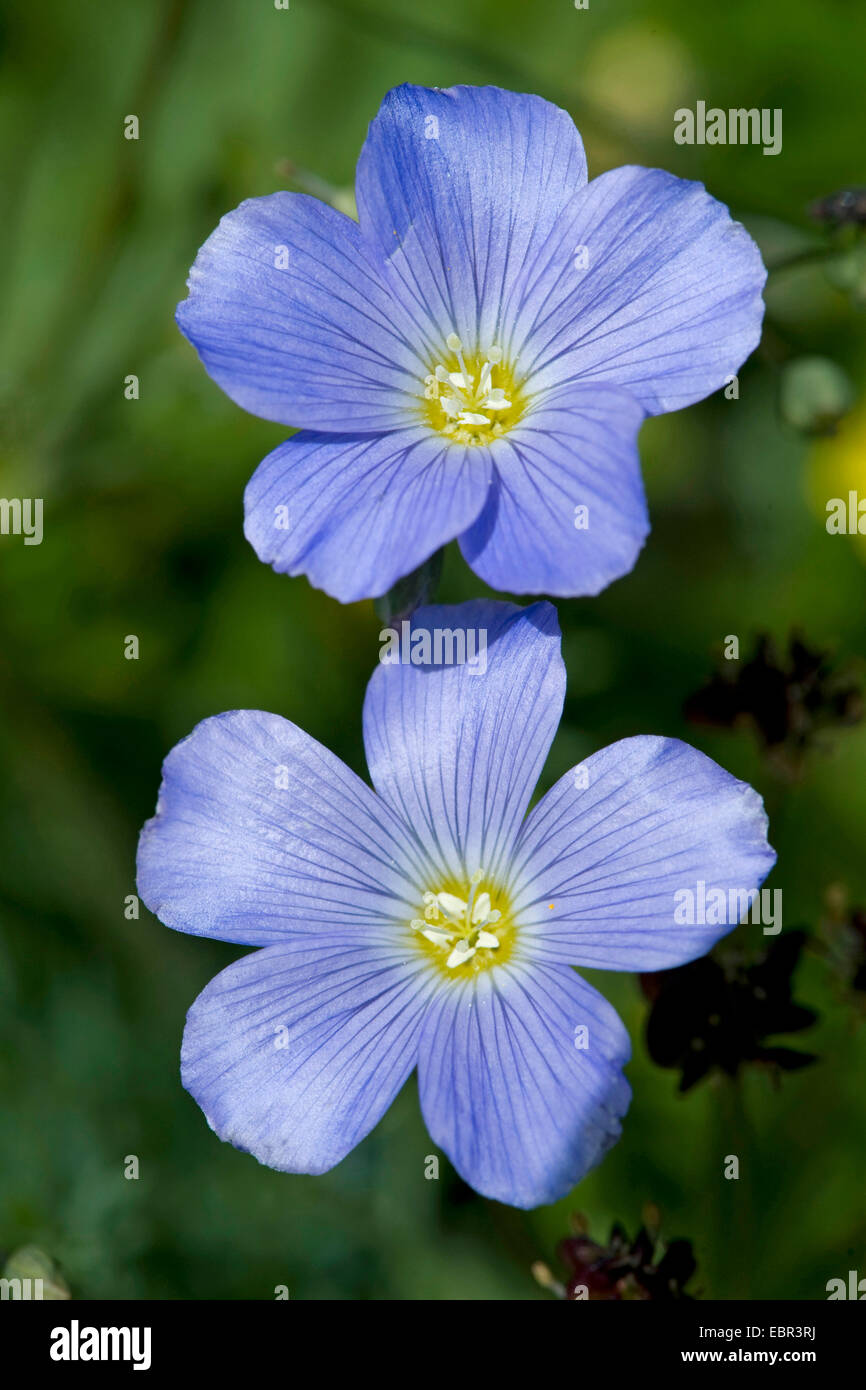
column 455, row 747
column 648, row 283
column 261, row 833
column 295, row 1052
column 604, row 854
column 291, row 317
column 520, row 1079
column 355, row 513
column 468, row 183
column 567, row 512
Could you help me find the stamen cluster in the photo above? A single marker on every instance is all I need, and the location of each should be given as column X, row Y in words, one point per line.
column 472, row 407
column 462, row 927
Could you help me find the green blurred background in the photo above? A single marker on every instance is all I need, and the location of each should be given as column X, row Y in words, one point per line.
column 143, row 513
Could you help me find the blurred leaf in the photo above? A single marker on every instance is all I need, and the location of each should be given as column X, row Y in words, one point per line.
column 29, row 1262
column 814, row 394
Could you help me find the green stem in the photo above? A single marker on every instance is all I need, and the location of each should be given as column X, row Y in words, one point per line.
column 411, row 592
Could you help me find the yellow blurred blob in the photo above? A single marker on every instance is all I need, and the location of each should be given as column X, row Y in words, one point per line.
column 640, row 74
column 836, row 468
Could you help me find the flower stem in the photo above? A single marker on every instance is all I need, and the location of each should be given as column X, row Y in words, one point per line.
column 412, row 591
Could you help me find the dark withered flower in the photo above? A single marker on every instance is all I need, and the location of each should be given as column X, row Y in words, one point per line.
column 646, row 1268
column 789, row 699
column 719, row 1014
column 843, row 940
column 845, row 208
column 857, row 929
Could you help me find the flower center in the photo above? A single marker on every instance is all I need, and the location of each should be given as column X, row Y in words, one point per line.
column 458, row 931
column 472, row 399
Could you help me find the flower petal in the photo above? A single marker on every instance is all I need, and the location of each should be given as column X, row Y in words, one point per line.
column 357, row 513
column 290, row 316
column 469, row 182
column 655, row 817
column 456, row 749
column 260, row 832
column 567, row 512
column 669, row 304
column 521, row 1101
column 295, row 1052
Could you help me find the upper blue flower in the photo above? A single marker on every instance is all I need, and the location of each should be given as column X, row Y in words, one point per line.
column 433, row 923
column 474, row 357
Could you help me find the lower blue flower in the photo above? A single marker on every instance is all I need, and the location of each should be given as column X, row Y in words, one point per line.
column 432, row 923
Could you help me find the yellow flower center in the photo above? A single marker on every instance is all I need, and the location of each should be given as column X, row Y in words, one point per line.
column 465, row 934
column 473, row 399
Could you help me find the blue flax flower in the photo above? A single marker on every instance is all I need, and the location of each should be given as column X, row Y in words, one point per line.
column 432, row 923
column 474, row 357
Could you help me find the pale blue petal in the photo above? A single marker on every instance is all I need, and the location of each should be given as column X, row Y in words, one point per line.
column 357, row 513
column 646, row 283
column 295, row 1052
column 456, row 749
column 291, row 317
column 462, row 187
column 523, row 1102
column 260, row 833
column 567, row 512
column 655, row 818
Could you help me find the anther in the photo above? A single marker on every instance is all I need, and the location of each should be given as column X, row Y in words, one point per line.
column 460, row 955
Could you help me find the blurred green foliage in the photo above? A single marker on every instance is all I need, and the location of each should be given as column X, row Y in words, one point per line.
column 143, row 535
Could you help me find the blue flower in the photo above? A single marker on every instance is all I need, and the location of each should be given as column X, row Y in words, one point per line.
column 475, row 356
column 432, row 923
